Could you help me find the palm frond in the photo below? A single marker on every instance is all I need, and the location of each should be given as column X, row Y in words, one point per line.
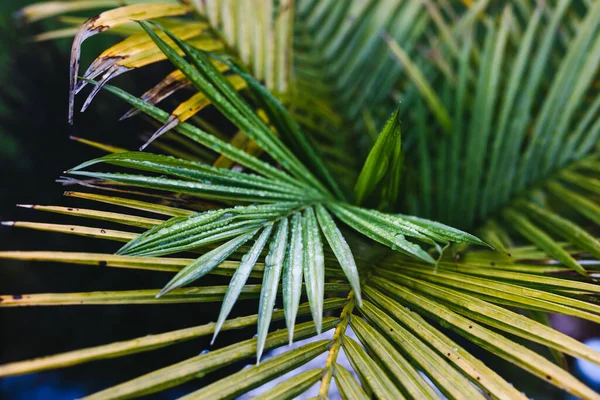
column 483, row 124
column 502, row 145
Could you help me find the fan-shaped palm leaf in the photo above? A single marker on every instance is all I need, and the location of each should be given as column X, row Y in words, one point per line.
column 479, row 153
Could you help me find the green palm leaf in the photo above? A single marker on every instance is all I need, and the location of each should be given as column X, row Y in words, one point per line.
column 500, row 130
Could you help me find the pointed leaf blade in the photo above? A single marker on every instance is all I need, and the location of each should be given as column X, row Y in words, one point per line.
column 314, row 265
column 384, row 161
column 271, row 275
column 292, row 273
column 240, row 277
column 340, row 248
column 206, row 263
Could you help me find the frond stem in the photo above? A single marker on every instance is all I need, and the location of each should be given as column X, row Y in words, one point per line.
column 335, row 348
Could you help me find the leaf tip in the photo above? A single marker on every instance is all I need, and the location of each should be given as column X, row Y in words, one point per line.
column 580, row 269
column 318, row 327
column 164, row 291
column 259, row 353
column 358, row 298
column 133, row 111
column 171, row 123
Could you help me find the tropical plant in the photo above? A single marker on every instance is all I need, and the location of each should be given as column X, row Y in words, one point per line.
column 500, row 107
